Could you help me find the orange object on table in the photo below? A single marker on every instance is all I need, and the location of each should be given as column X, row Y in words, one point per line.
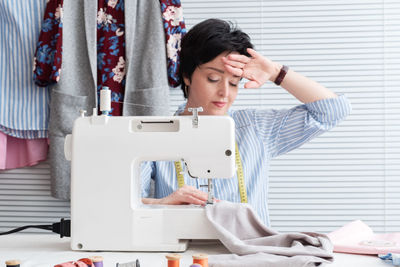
column 201, row 259
column 173, row 260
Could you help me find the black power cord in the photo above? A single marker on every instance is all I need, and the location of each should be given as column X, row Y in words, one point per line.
column 63, row 228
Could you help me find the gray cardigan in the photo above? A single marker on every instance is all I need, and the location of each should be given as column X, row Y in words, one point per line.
column 146, row 74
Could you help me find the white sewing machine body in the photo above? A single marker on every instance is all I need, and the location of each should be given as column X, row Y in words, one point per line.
column 105, row 152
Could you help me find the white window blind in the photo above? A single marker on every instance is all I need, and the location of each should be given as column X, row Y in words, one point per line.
column 351, row 172
column 25, row 199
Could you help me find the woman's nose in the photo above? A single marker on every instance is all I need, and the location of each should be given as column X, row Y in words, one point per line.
column 224, row 90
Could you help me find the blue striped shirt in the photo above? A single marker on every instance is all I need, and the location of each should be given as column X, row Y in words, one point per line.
column 24, row 107
column 261, row 134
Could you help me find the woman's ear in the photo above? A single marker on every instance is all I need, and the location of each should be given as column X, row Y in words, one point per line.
column 186, row 81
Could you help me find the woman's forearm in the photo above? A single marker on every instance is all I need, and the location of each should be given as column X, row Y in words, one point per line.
column 303, row 88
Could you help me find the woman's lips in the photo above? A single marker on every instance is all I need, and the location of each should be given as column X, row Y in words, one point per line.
column 219, row 104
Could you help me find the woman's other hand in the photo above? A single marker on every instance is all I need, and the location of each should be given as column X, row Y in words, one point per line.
column 257, row 68
column 185, row 195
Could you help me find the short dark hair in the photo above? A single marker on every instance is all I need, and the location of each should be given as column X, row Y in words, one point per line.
column 205, row 41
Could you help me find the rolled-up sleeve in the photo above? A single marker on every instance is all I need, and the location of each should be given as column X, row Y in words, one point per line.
column 284, row 130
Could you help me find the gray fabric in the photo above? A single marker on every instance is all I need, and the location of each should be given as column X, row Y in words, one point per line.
column 146, row 74
column 243, row 234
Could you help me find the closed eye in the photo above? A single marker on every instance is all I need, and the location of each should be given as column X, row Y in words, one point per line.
column 211, row 80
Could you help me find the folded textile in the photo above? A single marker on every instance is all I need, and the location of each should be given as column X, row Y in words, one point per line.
column 17, row 152
column 358, row 238
column 391, row 258
column 244, row 234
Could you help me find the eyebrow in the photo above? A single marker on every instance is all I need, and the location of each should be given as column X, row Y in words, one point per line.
column 220, row 71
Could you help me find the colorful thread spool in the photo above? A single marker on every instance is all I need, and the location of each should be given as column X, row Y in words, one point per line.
column 97, row 261
column 13, row 263
column 86, row 261
column 129, row 264
column 201, row 259
column 173, row 260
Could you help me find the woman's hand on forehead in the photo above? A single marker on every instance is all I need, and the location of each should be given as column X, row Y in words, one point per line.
column 257, row 68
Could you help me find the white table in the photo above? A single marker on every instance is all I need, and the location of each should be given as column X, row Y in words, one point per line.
column 47, row 250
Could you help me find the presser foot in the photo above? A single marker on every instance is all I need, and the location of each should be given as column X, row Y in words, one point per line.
column 210, row 199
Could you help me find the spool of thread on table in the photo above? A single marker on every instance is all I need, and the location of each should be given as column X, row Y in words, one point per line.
column 97, row 261
column 201, row 259
column 173, row 260
column 13, row 263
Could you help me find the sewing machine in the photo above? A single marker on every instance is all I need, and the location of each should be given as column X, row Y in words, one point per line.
column 105, row 152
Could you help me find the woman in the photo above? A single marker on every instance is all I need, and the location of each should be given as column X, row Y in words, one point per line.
column 214, row 58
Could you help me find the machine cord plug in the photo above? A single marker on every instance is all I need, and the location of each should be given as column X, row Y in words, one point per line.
column 63, row 228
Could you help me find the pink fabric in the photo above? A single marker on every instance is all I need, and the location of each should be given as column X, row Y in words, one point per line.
column 17, row 153
column 356, row 237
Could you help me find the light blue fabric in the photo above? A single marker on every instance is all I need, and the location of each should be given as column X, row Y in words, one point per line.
column 392, row 258
column 261, row 135
column 24, row 107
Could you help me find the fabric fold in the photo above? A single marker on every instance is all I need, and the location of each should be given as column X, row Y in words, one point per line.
column 18, row 153
column 253, row 244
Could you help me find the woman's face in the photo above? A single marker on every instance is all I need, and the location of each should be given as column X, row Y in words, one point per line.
column 212, row 88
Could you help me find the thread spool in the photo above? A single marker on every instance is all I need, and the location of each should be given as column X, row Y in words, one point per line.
column 97, row 261
column 201, row 259
column 173, row 260
column 86, row 261
column 13, row 263
column 105, row 100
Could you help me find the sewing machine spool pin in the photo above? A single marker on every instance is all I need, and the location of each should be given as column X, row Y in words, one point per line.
column 82, row 112
column 195, row 120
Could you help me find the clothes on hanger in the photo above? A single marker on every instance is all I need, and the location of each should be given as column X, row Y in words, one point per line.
column 17, row 153
column 111, row 52
column 24, row 107
column 48, row 55
column 175, row 29
column 110, row 20
column 146, row 80
column 110, row 49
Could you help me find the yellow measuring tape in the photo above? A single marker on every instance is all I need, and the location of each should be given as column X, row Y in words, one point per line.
column 179, row 174
column 239, row 172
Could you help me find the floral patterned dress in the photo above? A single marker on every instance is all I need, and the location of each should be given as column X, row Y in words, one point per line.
column 111, row 51
column 48, row 56
column 174, row 27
